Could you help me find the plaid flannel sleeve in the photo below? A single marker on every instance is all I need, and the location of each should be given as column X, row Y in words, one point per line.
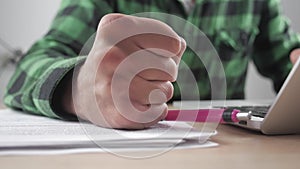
column 40, row 71
column 274, row 44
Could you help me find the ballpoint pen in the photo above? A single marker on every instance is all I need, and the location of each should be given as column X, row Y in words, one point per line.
column 213, row 115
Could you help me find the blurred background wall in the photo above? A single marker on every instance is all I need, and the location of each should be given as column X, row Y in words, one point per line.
column 23, row 22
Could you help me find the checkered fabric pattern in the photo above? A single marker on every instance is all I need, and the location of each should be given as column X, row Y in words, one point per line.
column 240, row 30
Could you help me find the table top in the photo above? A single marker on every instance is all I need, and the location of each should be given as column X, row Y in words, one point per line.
column 238, row 148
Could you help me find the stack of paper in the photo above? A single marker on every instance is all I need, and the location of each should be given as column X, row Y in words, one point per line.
column 21, row 132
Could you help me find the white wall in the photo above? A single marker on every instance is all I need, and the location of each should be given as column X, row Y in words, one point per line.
column 24, row 21
column 21, row 23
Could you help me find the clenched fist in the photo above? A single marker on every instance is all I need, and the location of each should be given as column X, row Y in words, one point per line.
column 125, row 81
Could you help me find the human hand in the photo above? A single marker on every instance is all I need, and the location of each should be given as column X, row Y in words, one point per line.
column 139, row 53
column 294, row 56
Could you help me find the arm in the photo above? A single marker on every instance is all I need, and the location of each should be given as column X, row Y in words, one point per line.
column 274, row 44
column 49, row 60
column 96, row 95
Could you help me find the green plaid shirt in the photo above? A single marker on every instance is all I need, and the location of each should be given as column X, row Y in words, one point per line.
column 240, row 30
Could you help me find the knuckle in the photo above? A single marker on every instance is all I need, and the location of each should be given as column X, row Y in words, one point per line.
column 109, row 27
column 174, row 75
column 183, row 44
column 109, row 18
column 171, row 70
column 175, row 44
column 167, row 89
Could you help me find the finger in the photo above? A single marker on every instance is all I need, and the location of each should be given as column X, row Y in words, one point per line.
column 294, row 56
column 122, row 122
column 157, row 48
column 150, row 92
column 152, row 67
column 178, row 57
column 170, row 46
column 161, row 117
column 156, row 75
column 144, row 32
column 163, row 69
column 149, row 33
column 129, row 48
column 148, row 66
column 171, row 67
column 157, row 34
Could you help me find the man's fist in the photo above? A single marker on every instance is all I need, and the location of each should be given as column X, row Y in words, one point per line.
column 125, row 81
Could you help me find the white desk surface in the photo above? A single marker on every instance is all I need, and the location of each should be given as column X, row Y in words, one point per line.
column 239, row 148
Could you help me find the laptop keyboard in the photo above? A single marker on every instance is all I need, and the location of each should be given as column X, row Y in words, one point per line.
column 258, row 111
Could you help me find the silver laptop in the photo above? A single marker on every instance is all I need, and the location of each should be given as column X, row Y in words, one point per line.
column 281, row 116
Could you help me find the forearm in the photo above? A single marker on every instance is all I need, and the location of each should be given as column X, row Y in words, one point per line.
column 34, row 83
column 39, row 79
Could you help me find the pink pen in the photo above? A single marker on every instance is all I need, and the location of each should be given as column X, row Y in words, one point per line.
column 215, row 115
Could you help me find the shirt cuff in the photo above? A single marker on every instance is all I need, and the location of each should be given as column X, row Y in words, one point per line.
column 44, row 90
